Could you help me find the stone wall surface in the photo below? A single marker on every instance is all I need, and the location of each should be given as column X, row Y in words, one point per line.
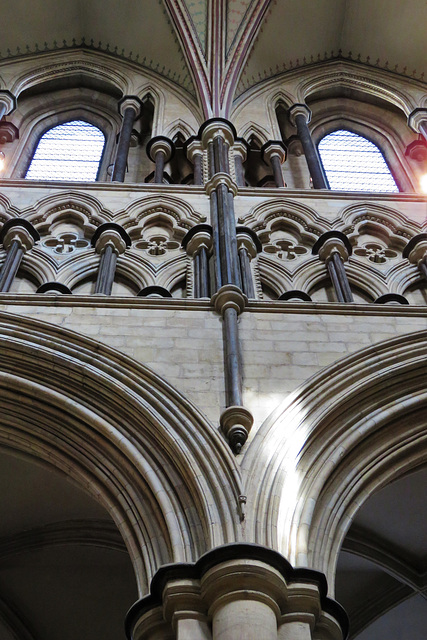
column 182, row 342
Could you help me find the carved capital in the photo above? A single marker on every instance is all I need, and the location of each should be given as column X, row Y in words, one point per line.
column 160, row 144
column 415, row 118
column 198, row 237
column 217, row 127
column 221, row 178
column 133, row 102
column 241, row 148
column 7, row 102
column 249, row 240
column 299, row 110
column 332, row 242
column 20, row 230
column 236, row 423
column 274, row 148
column 229, row 297
column 416, row 249
column 110, row 234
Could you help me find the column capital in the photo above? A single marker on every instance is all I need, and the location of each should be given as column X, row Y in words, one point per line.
column 193, row 147
column 248, row 239
column 198, row 236
column 416, row 117
column 112, row 234
column 299, row 109
column 241, row 148
column 162, row 144
column 217, row 127
column 416, row 249
column 130, row 101
column 20, row 230
column 330, row 242
column 274, row 148
column 221, row 178
column 235, row 573
column 7, row 101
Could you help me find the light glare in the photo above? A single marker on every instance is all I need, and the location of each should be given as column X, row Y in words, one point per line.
column 423, row 183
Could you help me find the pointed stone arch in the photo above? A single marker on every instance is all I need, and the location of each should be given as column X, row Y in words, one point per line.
column 322, row 456
column 123, row 435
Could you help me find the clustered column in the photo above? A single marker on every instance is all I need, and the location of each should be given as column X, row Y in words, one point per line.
column 417, row 120
column 7, row 103
column 237, row 591
column 248, row 245
column 217, row 136
column 240, row 150
column 198, row 244
column 130, row 109
column 416, row 252
column 160, row 150
column 300, row 116
column 194, row 150
column 110, row 240
column 334, row 248
column 274, row 152
column 18, row 237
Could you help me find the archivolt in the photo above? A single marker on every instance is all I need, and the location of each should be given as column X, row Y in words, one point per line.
column 124, row 435
column 348, row 431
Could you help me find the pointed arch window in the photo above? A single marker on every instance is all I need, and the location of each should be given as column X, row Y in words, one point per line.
column 353, row 163
column 69, row 151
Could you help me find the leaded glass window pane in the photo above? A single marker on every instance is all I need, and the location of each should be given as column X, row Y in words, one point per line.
column 353, row 163
column 70, row 151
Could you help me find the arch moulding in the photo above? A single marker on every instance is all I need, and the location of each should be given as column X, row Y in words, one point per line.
column 347, row 432
column 123, row 435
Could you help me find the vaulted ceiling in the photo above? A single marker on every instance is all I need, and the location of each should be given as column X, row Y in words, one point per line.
column 216, row 49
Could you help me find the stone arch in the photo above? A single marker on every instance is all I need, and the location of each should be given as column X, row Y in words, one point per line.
column 322, row 456
column 124, row 435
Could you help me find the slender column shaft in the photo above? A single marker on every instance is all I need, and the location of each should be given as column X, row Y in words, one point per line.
column 311, row 154
column 245, row 267
column 248, row 619
column 240, row 172
column 423, row 128
column 160, row 167
column 233, row 375
column 335, row 281
column 423, row 267
column 107, row 270
column 198, row 168
column 342, row 277
column 276, row 167
column 204, row 273
column 2, row 109
column 294, row 630
column 211, row 159
column 196, row 268
column 11, row 265
column 124, row 145
column 230, row 273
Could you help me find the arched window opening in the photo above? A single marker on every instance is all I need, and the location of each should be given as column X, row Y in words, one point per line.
column 353, row 163
column 69, row 151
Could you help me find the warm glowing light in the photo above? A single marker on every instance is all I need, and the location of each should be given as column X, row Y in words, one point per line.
column 423, row 183
column 2, row 161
